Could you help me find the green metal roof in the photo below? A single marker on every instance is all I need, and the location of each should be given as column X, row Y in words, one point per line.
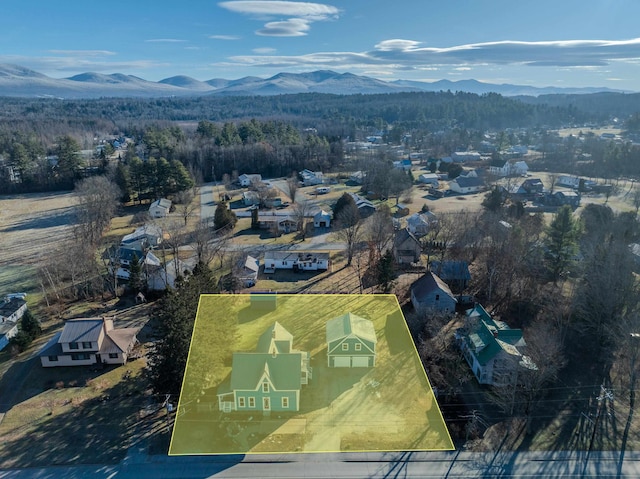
column 491, row 337
column 283, row 370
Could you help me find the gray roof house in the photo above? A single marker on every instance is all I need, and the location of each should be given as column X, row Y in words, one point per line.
column 406, row 247
column 351, row 342
column 88, row 341
column 160, row 208
column 430, row 293
column 454, row 273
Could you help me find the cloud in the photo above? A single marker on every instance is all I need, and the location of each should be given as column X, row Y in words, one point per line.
column 81, row 53
column 294, row 27
column 165, row 40
column 224, row 37
column 399, row 54
column 280, row 8
column 302, row 15
column 263, row 50
column 51, row 64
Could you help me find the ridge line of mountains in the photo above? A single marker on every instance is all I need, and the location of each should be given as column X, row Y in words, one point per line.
column 18, row 81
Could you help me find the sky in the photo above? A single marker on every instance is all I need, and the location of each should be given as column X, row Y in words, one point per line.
column 572, row 43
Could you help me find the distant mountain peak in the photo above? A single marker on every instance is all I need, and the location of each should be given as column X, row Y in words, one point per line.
column 16, row 80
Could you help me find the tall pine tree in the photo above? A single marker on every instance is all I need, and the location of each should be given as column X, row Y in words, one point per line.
column 175, row 317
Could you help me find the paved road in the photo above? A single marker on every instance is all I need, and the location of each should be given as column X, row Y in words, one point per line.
column 207, row 201
column 390, row 465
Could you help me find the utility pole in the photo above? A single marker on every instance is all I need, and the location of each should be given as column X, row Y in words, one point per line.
column 604, row 394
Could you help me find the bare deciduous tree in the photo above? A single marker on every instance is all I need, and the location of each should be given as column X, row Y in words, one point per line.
column 292, row 187
column 186, row 205
column 97, row 203
column 350, row 229
column 379, row 231
column 301, row 211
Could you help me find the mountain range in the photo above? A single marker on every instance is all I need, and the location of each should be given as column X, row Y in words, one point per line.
column 18, row 81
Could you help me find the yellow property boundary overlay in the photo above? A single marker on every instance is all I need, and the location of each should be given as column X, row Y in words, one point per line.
column 389, row 406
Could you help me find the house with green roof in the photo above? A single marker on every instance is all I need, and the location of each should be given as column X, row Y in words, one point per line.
column 492, row 349
column 267, row 379
column 351, row 342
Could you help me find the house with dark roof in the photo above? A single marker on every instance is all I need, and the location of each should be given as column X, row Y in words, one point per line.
column 430, row 293
column 12, row 309
column 87, row 341
column 351, row 342
column 406, row 247
column 491, row 348
column 454, row 273
column 533, row 185
column 267, row 379
column 466, row 184
column 365, row 207
column 571, row 198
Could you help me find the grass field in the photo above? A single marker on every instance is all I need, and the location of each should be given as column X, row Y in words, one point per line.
column 82, row 416
column 31, row 226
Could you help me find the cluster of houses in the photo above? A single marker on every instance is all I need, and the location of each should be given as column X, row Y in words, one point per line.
column 271, row 377
column 140, row 246
column 493, row 350
column 12, row 308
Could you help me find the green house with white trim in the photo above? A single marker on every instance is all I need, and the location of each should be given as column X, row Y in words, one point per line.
column 492, row 349
column 269, row 379
column 351, row 342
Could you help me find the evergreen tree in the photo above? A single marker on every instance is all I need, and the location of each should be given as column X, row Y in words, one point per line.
column 562, row 241
column 175, row 317
column 224, row 217
column 135, row 275
column 69, row 159
column 386, row 272
column 30, row 329
column 345, row 200
column 493, row 200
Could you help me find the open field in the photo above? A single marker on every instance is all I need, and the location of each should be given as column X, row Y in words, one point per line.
column 596, row 131
column 341, row 409
column 30, row 227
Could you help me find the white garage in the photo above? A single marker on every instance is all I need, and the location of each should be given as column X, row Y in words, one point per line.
column 360, row 361
column 342, row 361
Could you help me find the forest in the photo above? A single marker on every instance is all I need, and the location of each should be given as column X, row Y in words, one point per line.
column 41, row 139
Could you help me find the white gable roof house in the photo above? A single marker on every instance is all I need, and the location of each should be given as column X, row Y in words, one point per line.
column 148, row 235
column 246, row 180
column 160, row 208
column 429, row 179
column 420, row 223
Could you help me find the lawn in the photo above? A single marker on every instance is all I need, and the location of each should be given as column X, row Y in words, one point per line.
column 82, row 416
column 341, row 409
